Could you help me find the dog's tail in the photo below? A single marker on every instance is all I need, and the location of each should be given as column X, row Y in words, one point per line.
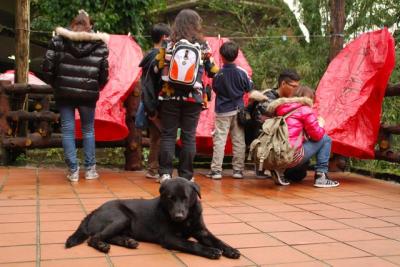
column 80, row 235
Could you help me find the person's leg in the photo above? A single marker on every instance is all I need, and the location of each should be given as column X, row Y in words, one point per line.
column 298, row 173
column 88, row 140
column 67, row 116
column 321, row 178
column 170, row 117
column 152, row 162
column 222, row 125
column 321, row 150
column 189, row 119
column 239, row 148
column 323, row 155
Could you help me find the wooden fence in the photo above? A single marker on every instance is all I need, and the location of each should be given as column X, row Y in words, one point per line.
column 385, row 151
column 29, row 119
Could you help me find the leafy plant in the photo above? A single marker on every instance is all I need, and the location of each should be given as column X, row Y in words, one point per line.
column 113, row 16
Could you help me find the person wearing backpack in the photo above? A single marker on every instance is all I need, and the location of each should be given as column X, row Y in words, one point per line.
column 230, row 84
column 288, row 82
column 151, row 86
column 76, row 65
column 182, row 62
column 305, row 134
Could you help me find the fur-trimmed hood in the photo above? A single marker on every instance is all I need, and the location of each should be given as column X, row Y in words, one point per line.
column 258, row 96
column 82, row 36
column 302, row 101
column 81, row 44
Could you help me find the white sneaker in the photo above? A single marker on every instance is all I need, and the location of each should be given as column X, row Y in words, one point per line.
column 91, row 173
column 279, row 178
column 152, row 175
column 215, row 175
column 164, row 177
column 237, row 174
column 73, row 176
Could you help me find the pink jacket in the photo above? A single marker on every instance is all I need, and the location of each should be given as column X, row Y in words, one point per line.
column 303, row 118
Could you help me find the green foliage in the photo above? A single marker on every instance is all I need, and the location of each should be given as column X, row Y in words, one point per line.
column 311, row 14
column 267, row 53
column 21, row 160
column 376, row 166
column 266, row 65
column 54, row 153
column 145, row 156
column 366, row 14
column 111, row 156
column 113, row 16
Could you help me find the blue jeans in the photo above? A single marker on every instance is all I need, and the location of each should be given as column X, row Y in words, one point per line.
column 67, row 115
column 321, row 149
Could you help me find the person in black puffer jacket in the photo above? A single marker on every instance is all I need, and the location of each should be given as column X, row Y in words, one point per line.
column 76, row 66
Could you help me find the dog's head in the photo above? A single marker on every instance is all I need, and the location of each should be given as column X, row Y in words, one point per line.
column 177, row 196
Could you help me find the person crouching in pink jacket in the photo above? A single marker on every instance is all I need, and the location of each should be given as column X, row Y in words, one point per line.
column 306, row 133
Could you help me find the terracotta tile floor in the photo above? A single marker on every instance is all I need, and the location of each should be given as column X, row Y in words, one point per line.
column 356, row 224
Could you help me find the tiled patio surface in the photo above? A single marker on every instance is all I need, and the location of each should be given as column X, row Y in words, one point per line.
column 356, row 224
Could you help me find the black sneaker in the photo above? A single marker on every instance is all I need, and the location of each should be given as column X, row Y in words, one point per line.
column 322, row 180
column 279, row 179
column 262, row 173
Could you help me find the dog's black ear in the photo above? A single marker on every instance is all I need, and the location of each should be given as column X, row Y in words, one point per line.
column 196, row 188
column 162, row 186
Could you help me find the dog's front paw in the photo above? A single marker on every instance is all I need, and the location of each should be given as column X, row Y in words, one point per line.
column 131, row 243
column 103, row 246
column 231, row 253
column 213, row 253
column 99, row 245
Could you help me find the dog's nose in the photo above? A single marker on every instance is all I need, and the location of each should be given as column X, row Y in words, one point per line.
column 179, row 216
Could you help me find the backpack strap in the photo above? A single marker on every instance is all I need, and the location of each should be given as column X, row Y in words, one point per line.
column 290, row 113
column 302, row 132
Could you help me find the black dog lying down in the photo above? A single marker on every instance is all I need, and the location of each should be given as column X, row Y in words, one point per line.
column 168, row 220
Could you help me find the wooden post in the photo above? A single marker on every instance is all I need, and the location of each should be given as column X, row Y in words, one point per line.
column 338, row 20
column 133, row 152
column 337, row 23
column 22, row 30
column 393, row 90
column 5, row 129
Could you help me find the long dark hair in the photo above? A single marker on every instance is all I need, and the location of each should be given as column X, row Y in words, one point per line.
column 82, row 22
column 187, row 25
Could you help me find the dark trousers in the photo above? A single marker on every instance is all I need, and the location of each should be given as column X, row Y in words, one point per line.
column 152, row 162
column 176, row 114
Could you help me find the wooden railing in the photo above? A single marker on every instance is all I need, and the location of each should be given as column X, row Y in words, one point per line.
column 385, row 151
column 29, row 119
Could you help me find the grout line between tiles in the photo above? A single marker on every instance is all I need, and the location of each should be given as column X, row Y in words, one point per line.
column 38, row 247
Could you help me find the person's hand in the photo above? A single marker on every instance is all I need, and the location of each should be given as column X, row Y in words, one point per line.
column 321, row 121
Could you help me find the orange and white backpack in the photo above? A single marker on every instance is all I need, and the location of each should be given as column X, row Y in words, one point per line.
column 183, row 69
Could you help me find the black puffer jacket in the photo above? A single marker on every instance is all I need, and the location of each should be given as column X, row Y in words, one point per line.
column 76, row 66
column 151, row 82
column 258, row 110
